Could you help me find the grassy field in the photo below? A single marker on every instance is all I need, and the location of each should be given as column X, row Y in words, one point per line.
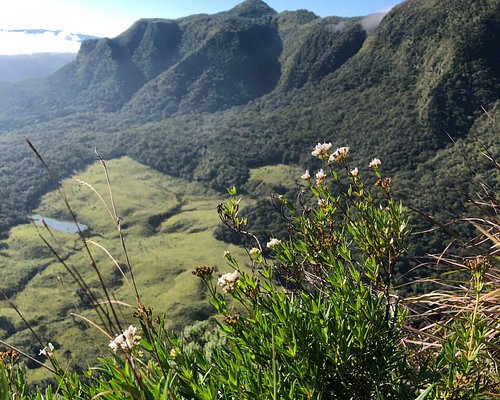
column 168, row 225
column 272, row 178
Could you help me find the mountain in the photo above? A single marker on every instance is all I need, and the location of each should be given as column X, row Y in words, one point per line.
column 208, row 97
column 199, row 63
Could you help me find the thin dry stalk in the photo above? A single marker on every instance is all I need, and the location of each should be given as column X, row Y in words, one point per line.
column 117, row 223
column 113, row 322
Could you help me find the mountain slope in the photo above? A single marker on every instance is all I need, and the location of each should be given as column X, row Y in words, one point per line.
column 237, row 63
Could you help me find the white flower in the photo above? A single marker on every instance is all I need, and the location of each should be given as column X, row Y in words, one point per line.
column 306, row 175
column 125, row 341
column 273, row 243
column 254, row 251
column 321, row 149
column 322, row 202
column 227, row 281
column 113, row 345
column 354, row 172
column 227, row 254
column 374, row 163
column 320, row 175
column 47, row 351
column 339, row 154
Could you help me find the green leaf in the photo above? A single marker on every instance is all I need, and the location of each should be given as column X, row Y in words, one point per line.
column 426, row 392
column 4, row 384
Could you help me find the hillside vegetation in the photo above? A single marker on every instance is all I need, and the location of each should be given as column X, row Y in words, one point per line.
column 201, row 97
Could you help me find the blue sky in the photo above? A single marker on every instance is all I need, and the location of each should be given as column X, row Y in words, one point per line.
column 111, row 17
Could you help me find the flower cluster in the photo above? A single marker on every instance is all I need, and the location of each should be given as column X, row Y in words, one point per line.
column 228, row 281
column 273, row 243
column 375, row 163
column 232, row 319
column 173, row 353
column 384, row 183
column 322, row 202
column 9, row 357
column 321, row 150
column 47, row 351
column 125, row 341
column 254, row 251
column 338, row 155
column 320, row 176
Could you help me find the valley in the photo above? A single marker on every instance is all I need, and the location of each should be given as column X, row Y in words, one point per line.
column 168, row 225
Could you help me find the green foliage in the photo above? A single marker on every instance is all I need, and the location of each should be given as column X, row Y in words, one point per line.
column 316, row 316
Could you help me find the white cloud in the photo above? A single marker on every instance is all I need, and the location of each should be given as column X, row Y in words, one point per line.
column 24, row 43
column 60, row 14
column 370, row 22
column 66, row 15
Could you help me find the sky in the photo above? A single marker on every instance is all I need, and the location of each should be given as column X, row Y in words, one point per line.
column 111, row 17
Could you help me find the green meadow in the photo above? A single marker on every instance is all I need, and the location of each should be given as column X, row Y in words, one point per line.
column 168, row 224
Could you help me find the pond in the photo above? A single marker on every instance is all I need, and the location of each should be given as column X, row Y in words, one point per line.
column 61, row 226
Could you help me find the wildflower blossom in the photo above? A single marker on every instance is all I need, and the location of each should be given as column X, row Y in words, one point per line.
column 47, row 351
column 254, row 251
column 321, row 150
column 306, row 175
column 125, row 341
column 322, row 202
column 227, row 281
column 273, row 243
column 354, row 172
column 338, row 155
column 374, row 163
column 320, row 175
column 227, row 254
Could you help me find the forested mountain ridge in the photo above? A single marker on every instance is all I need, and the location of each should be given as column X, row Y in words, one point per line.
column 209, row 96
column 198, row 63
